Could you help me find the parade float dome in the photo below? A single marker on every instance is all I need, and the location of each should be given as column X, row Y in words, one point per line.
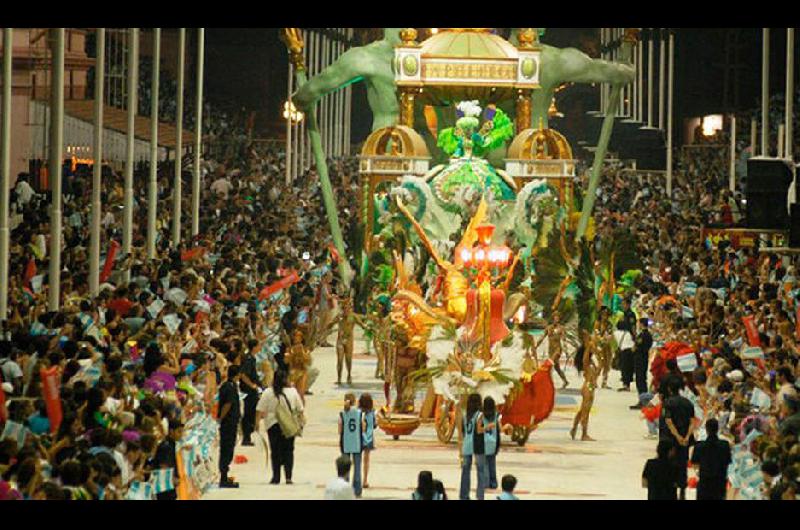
column 460, row 64
column 398, row 141
column 540, row 144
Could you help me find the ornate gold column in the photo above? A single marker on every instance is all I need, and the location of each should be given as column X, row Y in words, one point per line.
column 407, row 107
column 523, row 118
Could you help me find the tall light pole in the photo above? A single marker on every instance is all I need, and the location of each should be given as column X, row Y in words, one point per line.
column 789, row 129
column 97, row 170
column 198, row 134
column 662, row 42
column 5, row 169
column 177, row 185
column 732, row 159
column 55, row 163
column 670, row 97
column 133, row 106
column 288, row 161
column 765, row 94
column 152, row 190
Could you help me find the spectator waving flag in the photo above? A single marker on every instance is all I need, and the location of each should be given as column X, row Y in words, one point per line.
column 140, row 491
column 163, row 480
column 760, row 399
column 752, row 352
column 15, row 431
column 687, row 362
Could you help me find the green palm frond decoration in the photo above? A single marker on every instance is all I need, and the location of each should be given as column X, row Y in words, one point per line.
column 585, row 300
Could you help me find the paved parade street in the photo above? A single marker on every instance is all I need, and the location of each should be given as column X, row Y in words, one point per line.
column 551, row 465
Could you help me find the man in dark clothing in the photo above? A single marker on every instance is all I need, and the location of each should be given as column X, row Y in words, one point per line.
column 165, row 458
column 677, row 414
column 659, row 475
column 228, row 424
column 641, row 354
column 712, row 457
column 250, row 385
column 790, row 425
column 628, row 317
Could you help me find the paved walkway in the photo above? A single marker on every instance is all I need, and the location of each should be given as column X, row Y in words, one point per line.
column 551, row 466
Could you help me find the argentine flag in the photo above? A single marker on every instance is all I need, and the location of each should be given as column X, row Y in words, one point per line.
column 760, row 399
column 752, row 352
column 15, row 431
column 163, row 480
column 687, row 362
column 687, row 312
column 140, row 491
column 689, row 289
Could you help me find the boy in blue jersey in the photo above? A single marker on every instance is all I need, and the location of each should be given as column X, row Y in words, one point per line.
column 508, row 483
column 351, row 440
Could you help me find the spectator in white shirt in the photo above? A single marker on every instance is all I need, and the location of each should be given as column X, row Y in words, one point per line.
column 23, row 190
column 339, row 489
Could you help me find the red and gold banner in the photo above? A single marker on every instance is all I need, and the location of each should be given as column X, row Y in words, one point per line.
column 283, row 283
column 752, row 332
column 108, row 266
column 51, row 390
column 739, row 237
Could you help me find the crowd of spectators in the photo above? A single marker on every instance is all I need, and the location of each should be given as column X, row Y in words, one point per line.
column 140, row 361
column 724, row 321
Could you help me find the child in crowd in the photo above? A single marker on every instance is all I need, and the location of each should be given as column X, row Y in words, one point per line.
column 368, row 431
column 351, row 437
column 491, row 439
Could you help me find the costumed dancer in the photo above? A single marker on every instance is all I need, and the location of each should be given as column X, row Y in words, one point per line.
column 299, row 362
column 604, row 340
column 555, row 333
column 345, row 338
column 584, row 363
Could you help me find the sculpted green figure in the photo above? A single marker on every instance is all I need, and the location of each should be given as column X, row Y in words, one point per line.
column 373, row 65
column 569, row 65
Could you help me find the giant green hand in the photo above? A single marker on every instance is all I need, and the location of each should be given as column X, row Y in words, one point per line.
column 371, row 64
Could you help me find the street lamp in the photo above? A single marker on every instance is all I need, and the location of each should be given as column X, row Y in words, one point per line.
column 291, row 112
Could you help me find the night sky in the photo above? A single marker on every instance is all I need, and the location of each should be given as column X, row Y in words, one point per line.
column 247, row 67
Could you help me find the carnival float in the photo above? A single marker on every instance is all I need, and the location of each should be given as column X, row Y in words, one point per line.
column 496, row 235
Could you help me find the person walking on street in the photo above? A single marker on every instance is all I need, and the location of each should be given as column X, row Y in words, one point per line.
column 250, row 385
column 472, row 446
column 678, row 415
column 625, row 343
column 351, row 437
column 281, row 447
column 368, row 431
column 641, row 355
column 659, row 475
column 228, row 424
column 712, row 457
column 491, row 439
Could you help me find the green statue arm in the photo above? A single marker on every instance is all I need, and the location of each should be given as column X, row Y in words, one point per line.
column 570, row 65
column 349, row 68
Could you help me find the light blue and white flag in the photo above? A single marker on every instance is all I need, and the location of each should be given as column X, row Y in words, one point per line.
column 162, row 480
column 752, row 352
column 760, row 399
column 687, row 312
column 140, row 491
column 687, row 362
column 15, row 431
column 155, row 308
column 721, row 293
column 689, row 289
column 172, row 322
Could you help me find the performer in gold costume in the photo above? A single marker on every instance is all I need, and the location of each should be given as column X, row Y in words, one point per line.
column 604, row 343
column 299, row 360
column 555, row 333
column 586, row 365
